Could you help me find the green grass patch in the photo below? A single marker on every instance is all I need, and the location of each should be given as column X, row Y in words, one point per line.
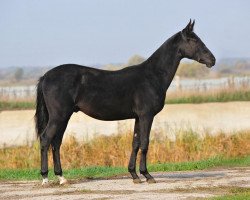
column 103, row 172
column 243, row 196
column 223, row 96
column 202, row 164
column 86, row 172
column 16, row 105
column 235, row 194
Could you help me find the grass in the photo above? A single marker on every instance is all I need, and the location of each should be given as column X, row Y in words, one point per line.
column 115, row 150
column 230, row 192
column 177, row 97
column 239, row 196
column 16, row 105
column 222, row 95
column 86, row 172
column 106, row 156
column 104, row 171
column 201, row 164
column 237, row 193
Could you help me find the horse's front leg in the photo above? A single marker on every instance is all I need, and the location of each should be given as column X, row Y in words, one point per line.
column 145, row 123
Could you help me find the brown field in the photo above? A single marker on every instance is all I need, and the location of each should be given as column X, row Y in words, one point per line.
column 115, row 150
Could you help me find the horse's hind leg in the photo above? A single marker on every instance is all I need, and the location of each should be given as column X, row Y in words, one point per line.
column 44, row 145
column 55, row 128
column 56, row 144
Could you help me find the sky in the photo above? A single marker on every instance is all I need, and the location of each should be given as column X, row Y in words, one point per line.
column 91, row 32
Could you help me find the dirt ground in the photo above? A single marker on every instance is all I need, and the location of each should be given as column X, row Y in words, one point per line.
column 170, row 185
column 17, row 127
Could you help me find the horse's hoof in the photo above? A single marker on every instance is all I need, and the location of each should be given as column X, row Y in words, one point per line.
column 151, row 180
column 137, row 181
column 62, row 180
column 45, row 182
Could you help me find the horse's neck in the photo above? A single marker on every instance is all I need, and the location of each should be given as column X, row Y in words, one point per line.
column 165, row 60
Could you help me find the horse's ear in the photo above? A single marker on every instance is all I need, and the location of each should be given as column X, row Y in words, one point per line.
column 190, row 27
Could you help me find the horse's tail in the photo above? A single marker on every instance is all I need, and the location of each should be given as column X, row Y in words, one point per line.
column 42, row 115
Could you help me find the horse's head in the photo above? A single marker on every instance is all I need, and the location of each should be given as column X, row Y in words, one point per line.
column 192, row 47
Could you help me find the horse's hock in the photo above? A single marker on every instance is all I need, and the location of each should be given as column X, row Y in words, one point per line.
column 17, row 127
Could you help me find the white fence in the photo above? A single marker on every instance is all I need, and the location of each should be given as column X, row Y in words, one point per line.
column 19, row 92
column 209, row 84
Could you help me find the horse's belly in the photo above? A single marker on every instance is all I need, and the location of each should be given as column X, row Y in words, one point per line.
column 107, row 113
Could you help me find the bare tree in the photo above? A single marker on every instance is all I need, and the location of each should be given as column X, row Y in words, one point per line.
column 135, row 60
column 18, row 75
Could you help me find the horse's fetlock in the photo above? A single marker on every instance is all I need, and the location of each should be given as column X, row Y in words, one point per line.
column 144, row 172
column 58, row 173
column 131, row 169
column 44, row 173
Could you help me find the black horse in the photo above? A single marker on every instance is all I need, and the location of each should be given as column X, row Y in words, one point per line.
column 136, row 92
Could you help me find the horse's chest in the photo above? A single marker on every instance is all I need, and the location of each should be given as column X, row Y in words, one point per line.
column 150, row 102
column 158, row 104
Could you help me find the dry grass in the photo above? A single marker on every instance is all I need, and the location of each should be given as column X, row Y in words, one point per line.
column 17, row 104
column 115, row 150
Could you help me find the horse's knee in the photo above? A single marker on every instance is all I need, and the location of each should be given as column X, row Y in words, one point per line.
column 144, row 150
column 135, row 148
column 144, row 146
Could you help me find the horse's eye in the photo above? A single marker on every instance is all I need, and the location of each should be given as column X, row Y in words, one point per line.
column 204, row 51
